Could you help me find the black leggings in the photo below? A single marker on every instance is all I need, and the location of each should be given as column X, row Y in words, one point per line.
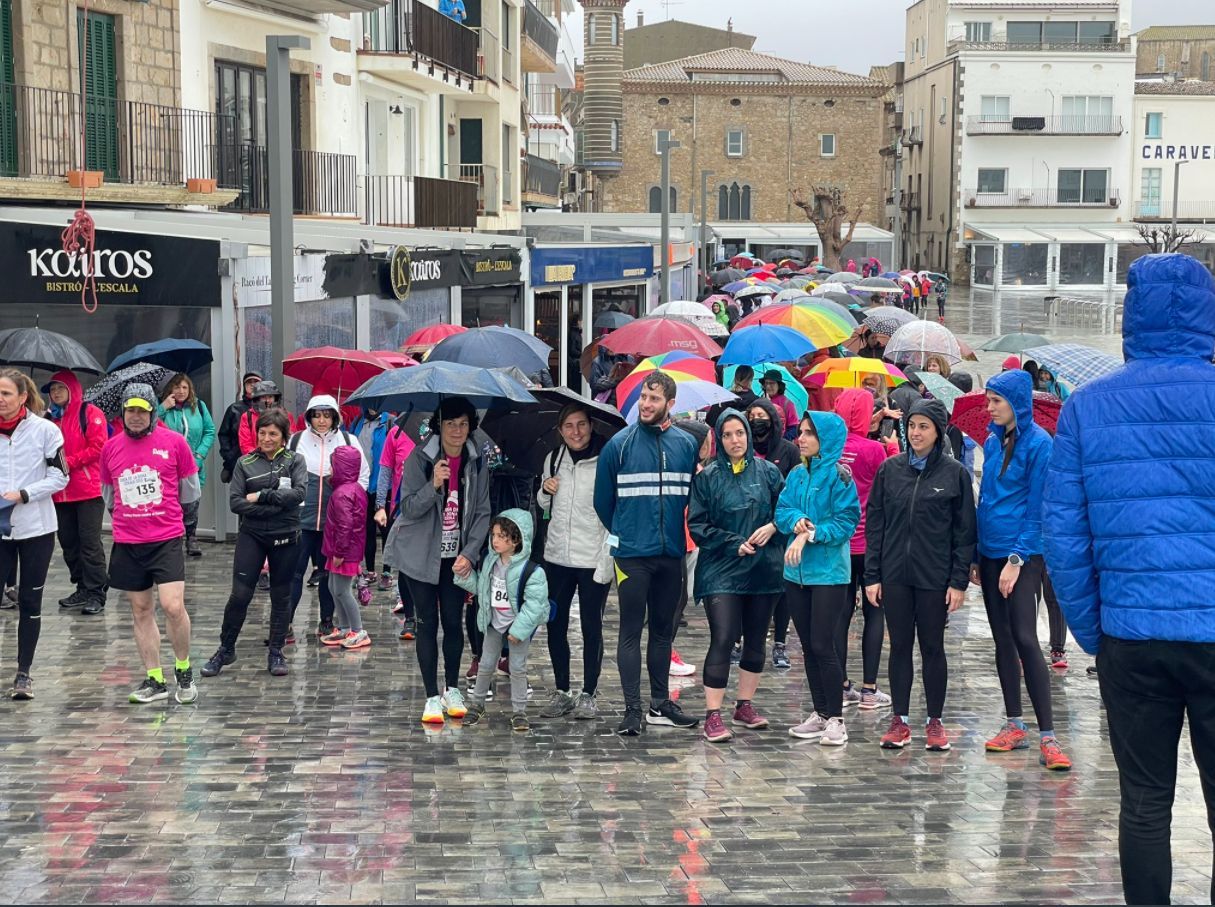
column 780, row 620
column 441, row 602
column 592, row 599
column 1054, row 615
column 871, row 636
column 251, row 552
column 1014, row 627
column 732, row 616
column 650, row 587
column 476, row 639
column 33, row 555
column 374, row 534
column 308, row 551
column 911, row 613
column 406, row 598
column 816, row 613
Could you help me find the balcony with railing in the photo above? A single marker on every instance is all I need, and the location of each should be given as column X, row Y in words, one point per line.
column 541, row 182
column 911, row 201
column 1097, row 197
column 145, row 152
column 322, row 183
column 1109, row 47
column 1055, row 125
column 1162, row 209
column 438, row 46
column 419, row 201
column 913, row 136
column 489, row 55
column 540, row 40
column 544, row 101
column 485, row 177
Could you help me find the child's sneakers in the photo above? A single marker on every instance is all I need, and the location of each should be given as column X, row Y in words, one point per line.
column 358, row 640
column 334, row 637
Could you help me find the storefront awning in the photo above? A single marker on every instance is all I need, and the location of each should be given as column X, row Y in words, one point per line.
column 1073, row 234
column 1006, row 234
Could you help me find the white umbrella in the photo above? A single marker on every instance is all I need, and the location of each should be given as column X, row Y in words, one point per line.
column 830, row 287
column 915, row 341
column 695, row 313
column 789, row 295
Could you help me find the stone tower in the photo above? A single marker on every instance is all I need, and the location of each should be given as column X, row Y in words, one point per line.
column 603, row 96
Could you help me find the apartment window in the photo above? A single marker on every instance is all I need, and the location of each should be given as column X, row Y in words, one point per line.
column 1024, row 32
column 1059, row 32
column 978, row 32
column 1097, row 33
column 510, row 157
column 994, row 108
column 826, row 144
column 1083, row 111
column 1160, row 63
column 734, row 202
column 661, row 137
column 615, row 135
column 656, row 199
column 1154, row 127
column 734, row 143
column 1149, row 192
column 994, row 182
column 1089, row 187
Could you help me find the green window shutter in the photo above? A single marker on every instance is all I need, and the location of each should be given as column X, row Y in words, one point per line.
column 8, row 94
column 101, row 83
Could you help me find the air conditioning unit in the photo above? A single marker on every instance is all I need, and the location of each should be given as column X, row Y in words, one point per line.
column 1025, row 197
column 1113, row 202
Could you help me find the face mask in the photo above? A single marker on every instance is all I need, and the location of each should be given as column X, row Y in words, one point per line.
column 761, row 428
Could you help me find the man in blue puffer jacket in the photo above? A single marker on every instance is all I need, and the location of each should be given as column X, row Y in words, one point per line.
column 1129, row 523
column 642, row 484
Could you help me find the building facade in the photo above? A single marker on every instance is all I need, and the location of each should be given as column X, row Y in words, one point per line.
column 1181, row 51
column 661, row 42
column 549, row 134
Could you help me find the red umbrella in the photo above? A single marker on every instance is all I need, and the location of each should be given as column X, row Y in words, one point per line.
column 393, row 359
column 431, row 336
column 655, row 336
column 742, row 261
column 332, row 369
column 970, row 413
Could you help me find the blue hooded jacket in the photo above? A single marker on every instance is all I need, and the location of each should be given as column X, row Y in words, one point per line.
column 822, row 491
column 1129, row 516
column 1010, row 499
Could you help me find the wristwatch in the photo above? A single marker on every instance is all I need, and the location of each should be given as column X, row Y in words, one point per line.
column 1015, row 560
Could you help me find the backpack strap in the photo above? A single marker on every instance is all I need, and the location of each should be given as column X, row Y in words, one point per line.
column 528, row 569
column 294, row 444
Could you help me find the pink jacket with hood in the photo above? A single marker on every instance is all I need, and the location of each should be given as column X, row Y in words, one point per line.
column 863, row 456
column 346, row 512
column 81, row 449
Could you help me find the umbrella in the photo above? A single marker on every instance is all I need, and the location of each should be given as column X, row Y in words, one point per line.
column 799, row 281
column 611, row 319
column 751, row 272
column 107, row 393
column 933, row 275
column 765, row 343
column 887, row 319
column 695, row 313
column 1073, row 361
column 970, row 413
column 840, row 303
column 680, row 366
column 422, row 340
column 853, row 371
column 790, row 295
column 491, row 348
column 781, row 254
column 652, row 336
column 941, row 388
column 737, row 285
column 36, row 348
column 393, row 359
column 794, row 390
column 725, row 276
column 892, row 275
column 829, row 286
column 526, row 436
column 845, row 277
column 877, row 285
column 915, row 341
column 758, row 290
column 538, row 346
column 723, row 298
column 1014, row 343
column 823, row 328
column 333, row 370
column 423, row 387
column 691, row 394
column 179, row 354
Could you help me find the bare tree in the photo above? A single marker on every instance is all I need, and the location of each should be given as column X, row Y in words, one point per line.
column 827, row 208
column 1167, row 237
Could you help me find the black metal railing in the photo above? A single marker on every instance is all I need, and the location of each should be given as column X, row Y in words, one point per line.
column 419, row 201
column 1058, row 197
column 321, row 182
column 1055, row 125
column 911, row 201
column 128, row 141
column 542, row 176
column 1048, row 46
column 410, row 26
column 537, row 27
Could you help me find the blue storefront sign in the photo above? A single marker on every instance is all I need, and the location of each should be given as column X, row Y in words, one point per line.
column 591, row 264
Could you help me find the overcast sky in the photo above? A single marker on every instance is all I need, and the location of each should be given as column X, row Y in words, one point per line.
column 850, row 34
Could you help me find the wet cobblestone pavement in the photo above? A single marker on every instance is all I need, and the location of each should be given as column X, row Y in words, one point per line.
column 324, row 786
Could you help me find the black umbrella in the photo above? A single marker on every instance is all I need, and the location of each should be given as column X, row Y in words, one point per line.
column 178, row 353
column 106, row 394
column 784, row 253
column 36, row 348
column 611, row 319
column 725, row 276
column 487, row 348
column 525, row 437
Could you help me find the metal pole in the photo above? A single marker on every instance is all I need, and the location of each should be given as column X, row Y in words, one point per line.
column 664, row 290
column 896, row 253
column 282, row 207
column 704, row 225
column 1176, row 188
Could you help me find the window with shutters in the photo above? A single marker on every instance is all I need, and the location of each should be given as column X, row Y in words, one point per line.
column 8, row 97
column 656, row 200
column 98, row 60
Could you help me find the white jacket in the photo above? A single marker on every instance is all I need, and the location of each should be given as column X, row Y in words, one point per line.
column 32, row 462
column 575, row 535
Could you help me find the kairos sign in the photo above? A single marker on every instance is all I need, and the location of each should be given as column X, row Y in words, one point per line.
column 104, row 263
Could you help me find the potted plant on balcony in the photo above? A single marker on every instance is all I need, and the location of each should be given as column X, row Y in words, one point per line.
column 87, row 179
column 197, row 185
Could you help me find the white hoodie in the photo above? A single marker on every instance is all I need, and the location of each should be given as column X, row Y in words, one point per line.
column 317, row 451
column 32, row 462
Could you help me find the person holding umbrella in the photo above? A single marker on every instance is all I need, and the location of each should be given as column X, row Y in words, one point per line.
column 78, row 507
column 34, row 467
column 774, row 390
column 229, row 427
column 573, row 549
column 439, row 534
column 181, row 411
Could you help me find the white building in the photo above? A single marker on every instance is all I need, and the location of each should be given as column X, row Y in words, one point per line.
column 1017, row 135
column 548, row 134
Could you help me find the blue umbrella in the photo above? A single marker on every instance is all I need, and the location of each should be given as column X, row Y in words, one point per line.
column 541, row 349
column 1073, row 361
column 736, row 286
column 424, row 386
column 492, row 348
column 892, row 275
column 765, row 343
column 175, row 353
column 794, row 390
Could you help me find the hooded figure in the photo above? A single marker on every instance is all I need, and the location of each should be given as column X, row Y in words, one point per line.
column 317, row 449
column 228, row 434
column 822, row 491
column 346, row 512
column 84, row 434
column 246, row 433
column 788, row 410
column 141, row 393
column 726, row 507
column 768, row 437
column 534, row 610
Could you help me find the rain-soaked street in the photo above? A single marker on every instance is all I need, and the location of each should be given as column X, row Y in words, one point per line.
column 324, row 786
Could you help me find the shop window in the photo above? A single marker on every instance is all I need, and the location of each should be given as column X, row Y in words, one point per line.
column 1082, row 263
column 985, row 265
column 1025, row 264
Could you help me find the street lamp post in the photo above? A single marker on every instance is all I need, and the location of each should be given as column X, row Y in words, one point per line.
column 1176, row 189
column 665, row 149
column 704, row 224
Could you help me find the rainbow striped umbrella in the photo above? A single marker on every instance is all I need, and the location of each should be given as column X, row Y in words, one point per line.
column 680, row 366
column 824, row 327
column 851, row 372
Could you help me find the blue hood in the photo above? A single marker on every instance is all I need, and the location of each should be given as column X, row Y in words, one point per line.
column 832, row 436
column 1017, row 388
column 1169, row 310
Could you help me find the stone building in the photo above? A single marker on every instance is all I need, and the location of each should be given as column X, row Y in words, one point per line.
column 661, row 42
column 762, row 124
column 1183, row 51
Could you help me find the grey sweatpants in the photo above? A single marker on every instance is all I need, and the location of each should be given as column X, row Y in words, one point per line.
column 347, row 615
column 491, row 651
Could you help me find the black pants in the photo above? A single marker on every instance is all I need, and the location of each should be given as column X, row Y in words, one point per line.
column 1149, row 688
column 308, row 551
column 911, row 613
column 33, row 557
column 1014, row 627
column 816, row 612
column 871, row 636
column 731, row 617
column 650, row 587
column 189, row 517
column 592, row 599
column 80, row 539
column 780, row 620
column 476, row 639
column 441, row 602
column 251, row 552
column 1054, row 615
column 374, row 534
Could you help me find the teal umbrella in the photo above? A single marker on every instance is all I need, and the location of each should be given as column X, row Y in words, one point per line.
column 941, row 388
column 797, row 394
column 1014, row 343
